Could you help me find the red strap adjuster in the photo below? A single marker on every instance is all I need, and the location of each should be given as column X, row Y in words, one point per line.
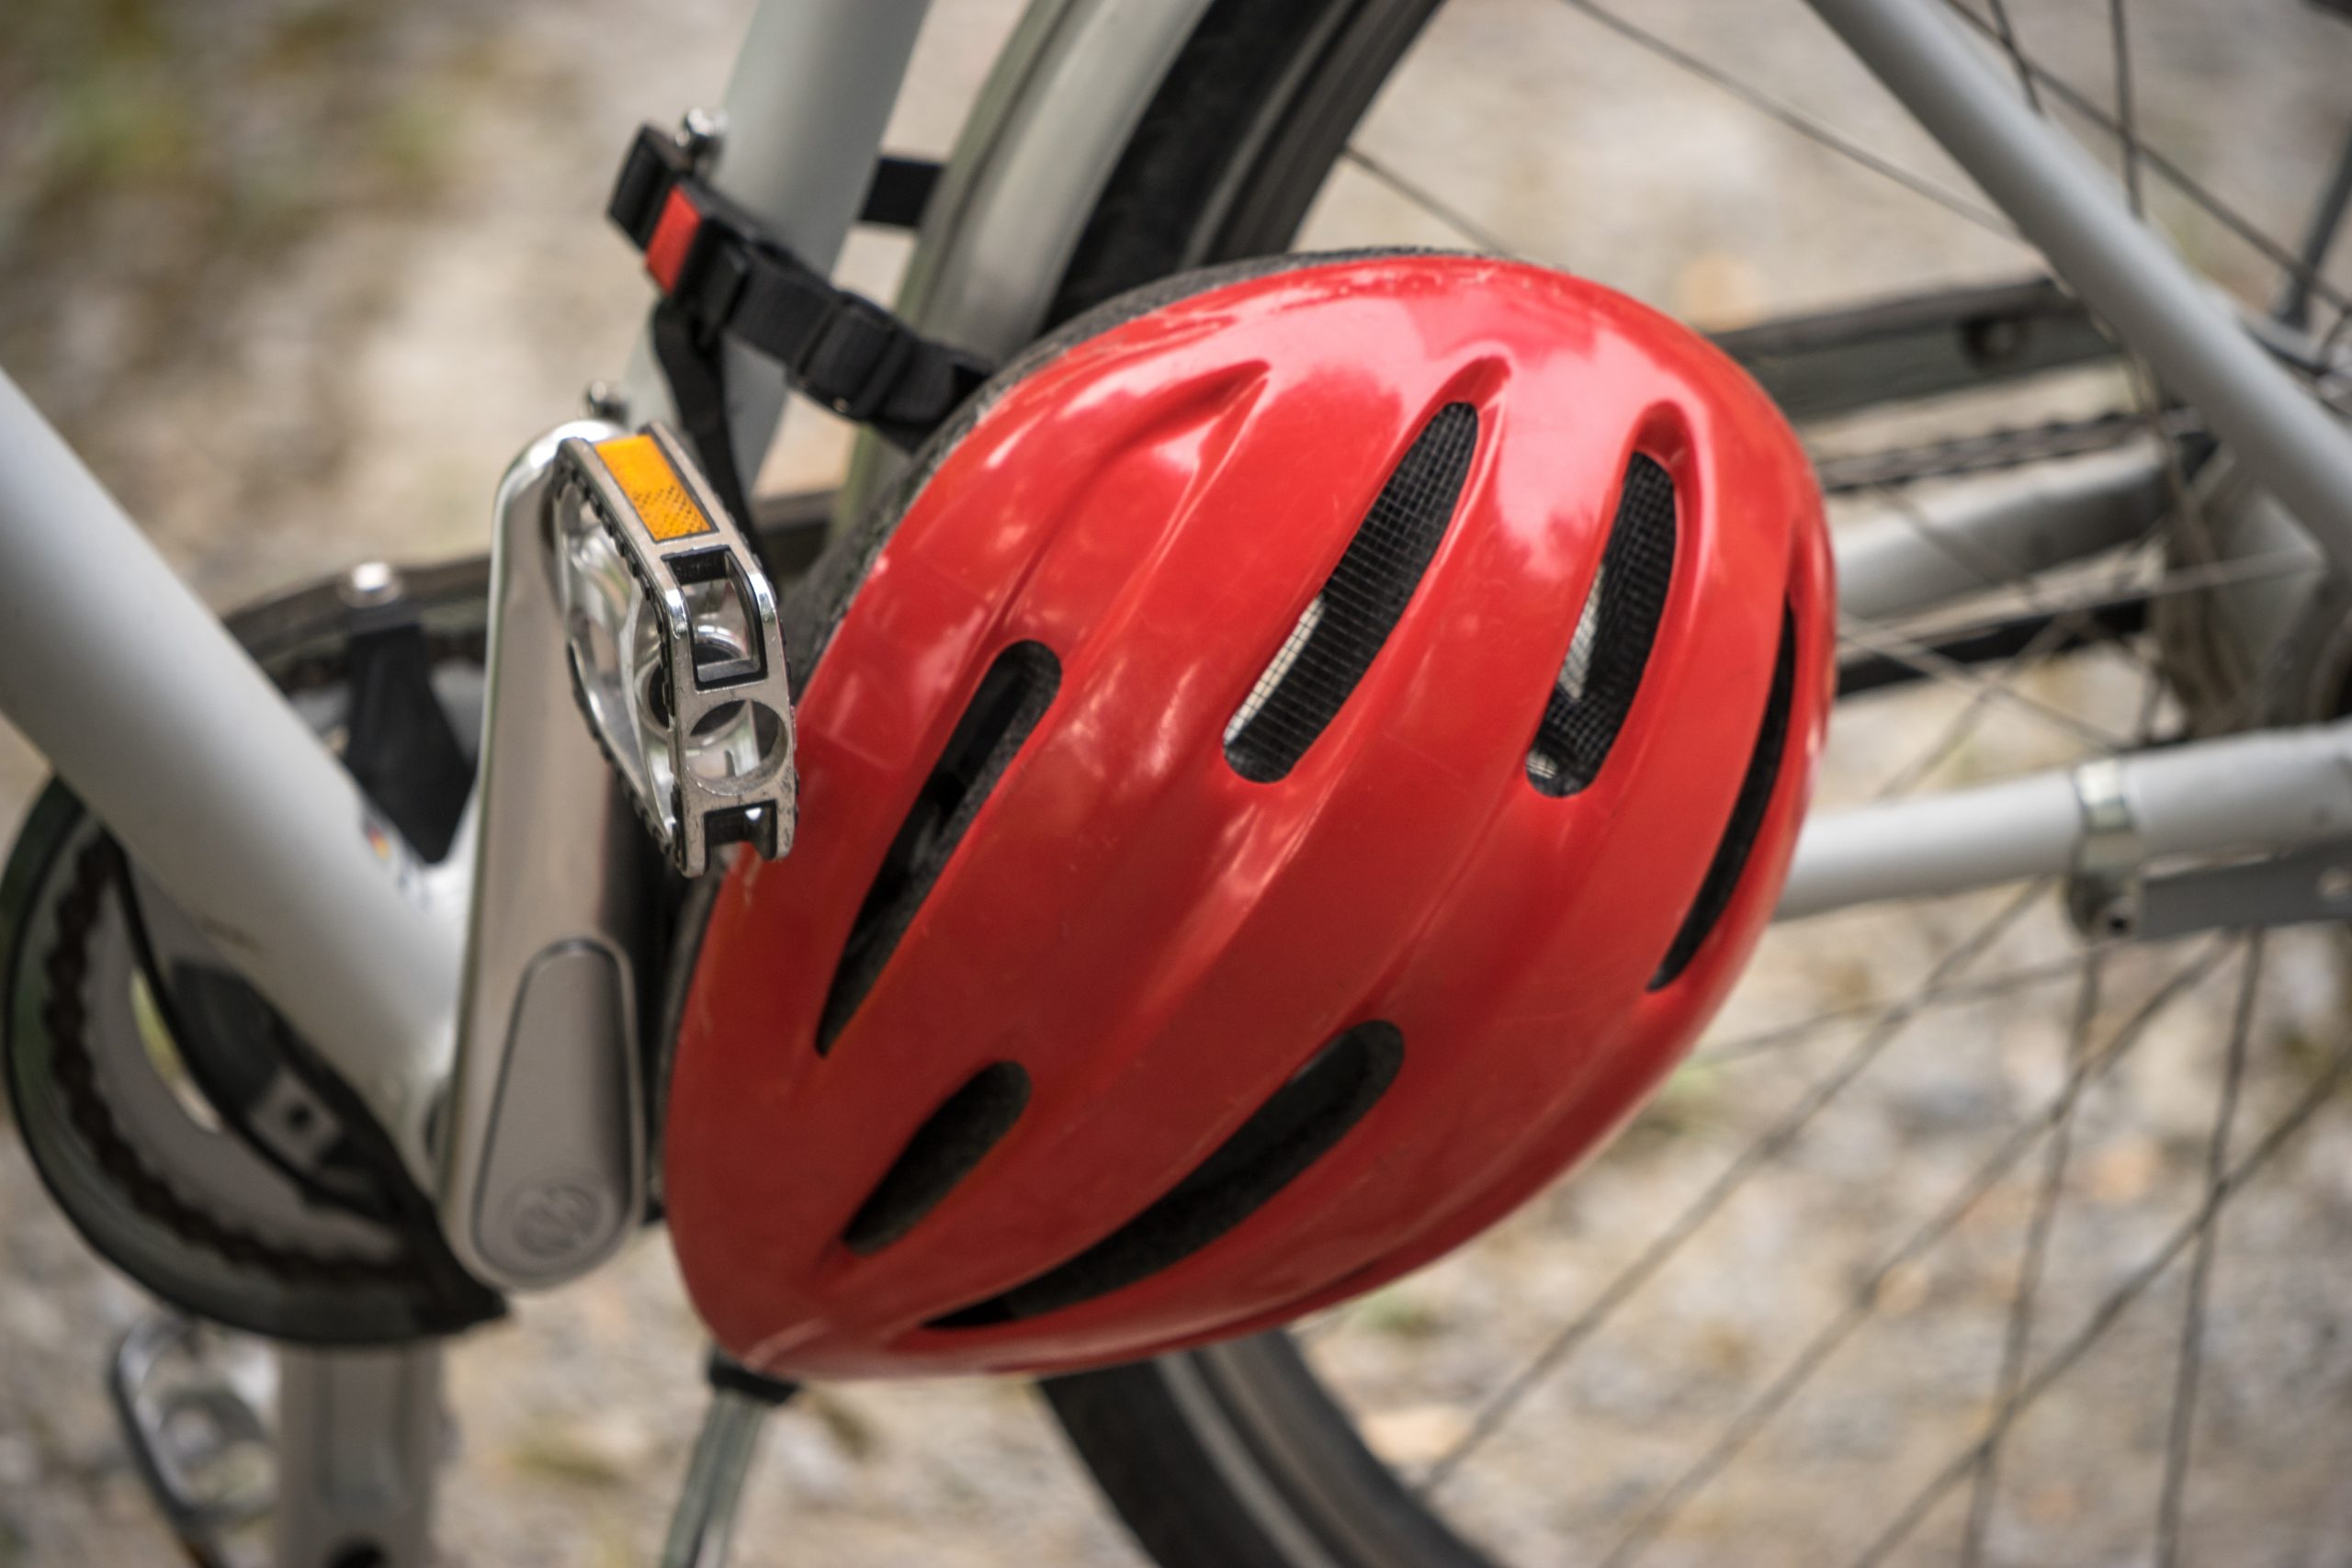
column 673, row 238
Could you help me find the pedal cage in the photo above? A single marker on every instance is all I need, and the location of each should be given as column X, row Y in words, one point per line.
column 676, row 646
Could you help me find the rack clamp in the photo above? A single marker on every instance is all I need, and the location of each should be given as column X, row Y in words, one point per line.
column 2105, row 893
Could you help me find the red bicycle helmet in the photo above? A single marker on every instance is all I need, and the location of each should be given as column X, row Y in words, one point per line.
column 1298, row 760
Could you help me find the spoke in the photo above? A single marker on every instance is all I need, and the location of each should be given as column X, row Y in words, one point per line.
column 1798, row 120
column 1890, row 1021
column 2019, row 1338
column 2188, row 517
column 2243, row 569
column 1785, row 1036
column 2076, row 623
column 2173, row 175
column 1960, row 548
column 2247, row 701
column 2078, row 614
column 1864, row 1302
column 2038, row 651
column 2044, row 645
column 2319, row 237
column 2112, row 1308
column 1930, row 627
column 2008, row 37
column 2201, row 1271
column 2186, row 513
column 1428, row 201
column 1927, row 662
column 2127, row 126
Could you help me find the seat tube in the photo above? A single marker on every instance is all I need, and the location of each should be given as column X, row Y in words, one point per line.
column 804, row 110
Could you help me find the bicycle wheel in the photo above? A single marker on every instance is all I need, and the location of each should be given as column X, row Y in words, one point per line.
column 1922, row 1254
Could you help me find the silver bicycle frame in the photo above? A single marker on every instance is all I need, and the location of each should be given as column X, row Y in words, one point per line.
column 801, row 125
column 139, row 698
column 128, row 683
column 131, row 689
column 2060, row 201
column 146, row 704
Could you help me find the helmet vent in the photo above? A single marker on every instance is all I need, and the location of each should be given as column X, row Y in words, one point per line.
column 1005, row 707
column 1296, row 1126
column 1747, row 816
column 1612, row 644
column 1298, row 694
column 944, row 1150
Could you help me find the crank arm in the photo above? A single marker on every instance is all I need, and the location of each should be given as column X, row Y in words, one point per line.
column 544, row 1139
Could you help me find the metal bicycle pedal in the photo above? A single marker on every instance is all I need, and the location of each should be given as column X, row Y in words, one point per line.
column 188, row 1403
column 676, row 652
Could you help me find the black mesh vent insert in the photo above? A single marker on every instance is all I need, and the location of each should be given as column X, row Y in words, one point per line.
column 1296, row 1126
column 1010, row 698
column 1612, row 645
column 1747, row 816
column 944, row 1150
column 1341, row 629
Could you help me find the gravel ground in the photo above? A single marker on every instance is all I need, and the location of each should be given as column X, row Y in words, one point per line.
column 299, row 277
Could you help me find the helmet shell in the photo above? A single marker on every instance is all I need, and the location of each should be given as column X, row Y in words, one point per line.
column 1109, row 1036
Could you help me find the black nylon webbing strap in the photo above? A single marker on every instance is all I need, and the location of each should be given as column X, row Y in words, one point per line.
column 722, row 277
column 900, row 193
column 691, row 362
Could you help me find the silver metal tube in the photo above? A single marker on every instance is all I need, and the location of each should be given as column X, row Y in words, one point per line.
column 703, row 1521
column 2063, row 202
column 1995, row 533
column 2278, row 789
column 143, row 704
column 807, row 104
column 1933, row 844
column 804, row 110
column 2270, row 791
column 361, row 1436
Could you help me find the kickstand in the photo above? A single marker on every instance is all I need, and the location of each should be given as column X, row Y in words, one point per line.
column 740, row 1400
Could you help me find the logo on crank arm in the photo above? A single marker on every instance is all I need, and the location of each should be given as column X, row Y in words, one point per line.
column 676, row 649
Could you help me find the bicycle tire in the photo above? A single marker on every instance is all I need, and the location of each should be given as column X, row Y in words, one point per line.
column 1236, row 1457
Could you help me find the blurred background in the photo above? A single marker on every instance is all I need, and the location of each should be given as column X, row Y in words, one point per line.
column 300, row 277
